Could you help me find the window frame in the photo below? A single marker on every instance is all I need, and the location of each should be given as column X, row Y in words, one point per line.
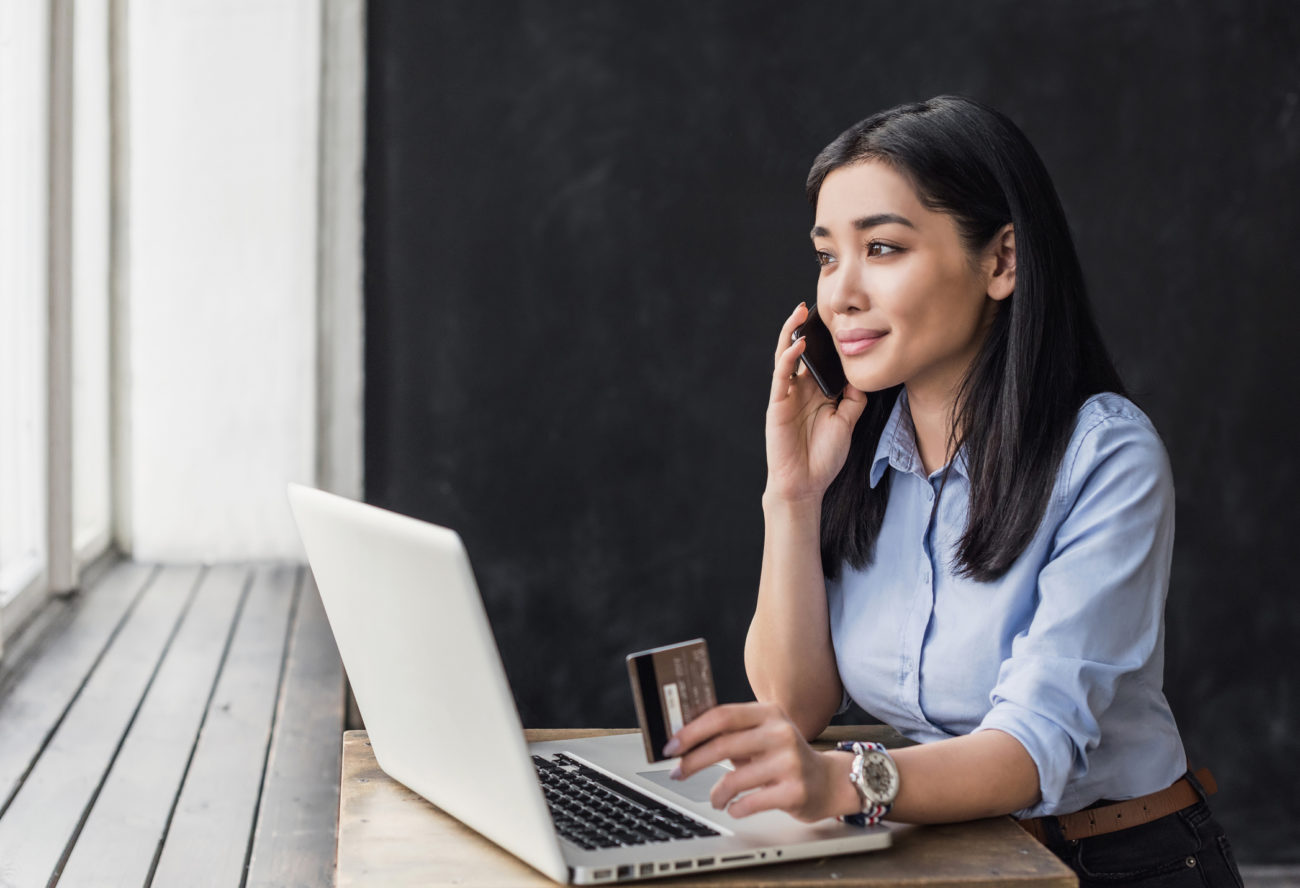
column 59, row 556
column 34, row 577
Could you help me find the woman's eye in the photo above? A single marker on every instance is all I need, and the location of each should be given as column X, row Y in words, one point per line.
column 872, row 249
column 824, row 258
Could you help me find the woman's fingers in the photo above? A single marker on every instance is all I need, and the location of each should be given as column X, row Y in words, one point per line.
column 797, row 317
column 786, row 361
column 738, row 746
column 783, row 376
column 782, row 796
column 851, row 405
column 748, row 731
column 721, row 719
column 757, row 773
column 774, row 766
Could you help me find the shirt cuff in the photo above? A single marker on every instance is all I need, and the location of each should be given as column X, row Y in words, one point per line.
column 1047, row 743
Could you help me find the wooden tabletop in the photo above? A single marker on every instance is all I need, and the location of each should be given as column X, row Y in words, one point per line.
column 390, row 836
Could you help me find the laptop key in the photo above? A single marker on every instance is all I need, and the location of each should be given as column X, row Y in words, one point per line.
column 589, row 807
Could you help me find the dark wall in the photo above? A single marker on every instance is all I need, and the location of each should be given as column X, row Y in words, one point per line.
column 585, row 224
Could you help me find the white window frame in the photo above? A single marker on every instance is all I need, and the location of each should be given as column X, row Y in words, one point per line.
column 56, row 569
column 340, row 313
column 61, row 561
column 90, row 274
column 66, row 555
column 339, row 340
column 24, row 563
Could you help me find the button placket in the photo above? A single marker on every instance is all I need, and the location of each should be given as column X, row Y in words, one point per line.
column 911, row 638
column 922, row 611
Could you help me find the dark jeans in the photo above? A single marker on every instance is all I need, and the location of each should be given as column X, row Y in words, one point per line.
column 1187, row 848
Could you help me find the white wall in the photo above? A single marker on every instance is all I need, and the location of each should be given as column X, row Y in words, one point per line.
column 220, row 274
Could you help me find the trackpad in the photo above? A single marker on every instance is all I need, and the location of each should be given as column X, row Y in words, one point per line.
column 696, row 787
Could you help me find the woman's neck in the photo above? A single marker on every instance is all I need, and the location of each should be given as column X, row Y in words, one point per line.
column 932, row 413
column 932, row 398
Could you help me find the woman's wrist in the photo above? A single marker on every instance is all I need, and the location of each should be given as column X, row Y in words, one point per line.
column 790, row 503
column 844, row 798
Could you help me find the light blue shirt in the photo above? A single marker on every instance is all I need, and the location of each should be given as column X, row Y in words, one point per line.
column 1065, row 652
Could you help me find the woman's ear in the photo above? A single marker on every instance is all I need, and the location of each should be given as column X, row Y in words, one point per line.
column 1001, row 263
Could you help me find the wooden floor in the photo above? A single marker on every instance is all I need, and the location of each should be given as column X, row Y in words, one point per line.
column 173, row 726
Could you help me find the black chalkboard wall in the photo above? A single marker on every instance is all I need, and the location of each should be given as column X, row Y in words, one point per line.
column 585, row 223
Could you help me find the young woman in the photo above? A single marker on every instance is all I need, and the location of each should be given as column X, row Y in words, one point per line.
column 973, row 542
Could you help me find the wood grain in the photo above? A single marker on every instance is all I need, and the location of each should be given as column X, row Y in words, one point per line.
column 44, row 817
column 293, row 844
column 208, row 842
column 390, row 836
column 120, row 839
column 38, row 691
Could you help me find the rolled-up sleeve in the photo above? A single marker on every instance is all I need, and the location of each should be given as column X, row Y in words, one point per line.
column 1101, row 594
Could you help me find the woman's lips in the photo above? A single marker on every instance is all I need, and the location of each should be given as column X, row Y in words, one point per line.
column 855, row 342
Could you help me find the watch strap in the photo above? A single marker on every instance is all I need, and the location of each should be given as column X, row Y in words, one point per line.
column 871, row 813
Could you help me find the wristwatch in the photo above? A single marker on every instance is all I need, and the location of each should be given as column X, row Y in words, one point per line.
column 875, row 776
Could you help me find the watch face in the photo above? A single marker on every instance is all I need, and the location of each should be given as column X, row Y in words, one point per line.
column 879, row 777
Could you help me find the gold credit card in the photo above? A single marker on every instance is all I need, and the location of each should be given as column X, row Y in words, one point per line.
column 671, row 685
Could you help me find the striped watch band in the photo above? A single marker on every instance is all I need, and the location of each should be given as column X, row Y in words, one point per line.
column 871, row 814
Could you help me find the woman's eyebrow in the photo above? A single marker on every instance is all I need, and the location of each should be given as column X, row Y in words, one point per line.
column 868, row 222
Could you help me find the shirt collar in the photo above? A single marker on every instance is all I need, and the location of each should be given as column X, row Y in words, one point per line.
column 897, row 446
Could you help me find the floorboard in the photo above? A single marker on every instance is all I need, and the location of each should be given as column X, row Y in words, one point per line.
column 298, row 821
column 175, row 725
column 46, row 813
column 211, row 831
column 38, row 690
column 121, row 839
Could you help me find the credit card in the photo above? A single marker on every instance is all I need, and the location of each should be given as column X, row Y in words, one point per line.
column 670, row 685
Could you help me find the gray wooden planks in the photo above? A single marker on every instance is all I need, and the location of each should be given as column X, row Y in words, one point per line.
column 209, row 838
column 294, row 842
column 39, row 694
column 120, row 839
column 47, row 811
column 125, row 776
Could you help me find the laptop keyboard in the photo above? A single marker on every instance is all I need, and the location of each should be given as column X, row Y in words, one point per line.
column 595, row 811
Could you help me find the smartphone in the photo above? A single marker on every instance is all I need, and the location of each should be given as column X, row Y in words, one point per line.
column 820, row 356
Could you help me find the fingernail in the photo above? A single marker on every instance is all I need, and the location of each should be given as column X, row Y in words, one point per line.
column 676, row 773
column 672, row 747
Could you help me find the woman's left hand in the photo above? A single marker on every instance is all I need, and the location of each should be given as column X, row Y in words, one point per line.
column 771, row 758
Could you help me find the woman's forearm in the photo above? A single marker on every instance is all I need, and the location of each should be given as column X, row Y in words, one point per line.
column 979, row 775
column 788, row 654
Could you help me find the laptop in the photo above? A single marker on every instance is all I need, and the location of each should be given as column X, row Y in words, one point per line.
column 415, row 641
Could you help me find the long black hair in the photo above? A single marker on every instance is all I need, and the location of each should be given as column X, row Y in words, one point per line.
column 1043, row 355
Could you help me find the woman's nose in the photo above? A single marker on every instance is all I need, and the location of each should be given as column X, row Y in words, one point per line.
column 848, row 289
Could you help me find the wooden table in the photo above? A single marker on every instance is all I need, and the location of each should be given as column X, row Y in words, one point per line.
column 390, row 836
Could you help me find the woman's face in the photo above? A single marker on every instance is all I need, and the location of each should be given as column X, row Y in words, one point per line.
column 898, row 290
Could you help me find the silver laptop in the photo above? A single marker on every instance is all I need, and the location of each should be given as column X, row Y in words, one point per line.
column 415, row 640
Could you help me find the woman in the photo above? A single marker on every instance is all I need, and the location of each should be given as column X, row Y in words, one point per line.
column 973, row 542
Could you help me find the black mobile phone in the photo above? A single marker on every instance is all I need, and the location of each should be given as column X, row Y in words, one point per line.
column 820, row 356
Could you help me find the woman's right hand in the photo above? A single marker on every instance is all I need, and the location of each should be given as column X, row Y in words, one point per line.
column 808, row 435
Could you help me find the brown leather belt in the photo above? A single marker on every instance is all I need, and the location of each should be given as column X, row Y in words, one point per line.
column 1122, row 815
